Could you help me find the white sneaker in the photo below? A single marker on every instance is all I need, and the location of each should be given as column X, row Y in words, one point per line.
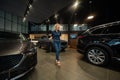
column 58, row 63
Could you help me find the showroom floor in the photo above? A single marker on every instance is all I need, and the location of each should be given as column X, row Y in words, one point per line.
column 73, row 67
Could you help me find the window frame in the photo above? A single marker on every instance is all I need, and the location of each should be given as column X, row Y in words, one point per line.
column 108, row 27
column 97, row 29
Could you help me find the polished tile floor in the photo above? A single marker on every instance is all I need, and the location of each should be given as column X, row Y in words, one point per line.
column 73, row 67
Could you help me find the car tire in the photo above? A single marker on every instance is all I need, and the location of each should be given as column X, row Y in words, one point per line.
column 97, row 56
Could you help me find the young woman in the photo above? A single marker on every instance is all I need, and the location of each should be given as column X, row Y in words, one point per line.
column 56, row 42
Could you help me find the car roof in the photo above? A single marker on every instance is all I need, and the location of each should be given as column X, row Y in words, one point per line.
column 102, row 26
column 106, row 25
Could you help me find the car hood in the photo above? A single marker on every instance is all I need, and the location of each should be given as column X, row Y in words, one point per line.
column 11, row 47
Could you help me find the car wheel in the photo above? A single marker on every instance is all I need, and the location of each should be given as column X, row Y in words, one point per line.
column 97, row 56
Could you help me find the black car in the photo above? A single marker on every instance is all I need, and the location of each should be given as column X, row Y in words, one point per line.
column 101, row 44
column 18, row 56
column 45, row 42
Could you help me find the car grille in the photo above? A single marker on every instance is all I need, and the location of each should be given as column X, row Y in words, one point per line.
column 9, row 61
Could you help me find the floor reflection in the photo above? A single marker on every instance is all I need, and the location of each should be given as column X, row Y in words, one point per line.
column 110, row 72
column 73, row 67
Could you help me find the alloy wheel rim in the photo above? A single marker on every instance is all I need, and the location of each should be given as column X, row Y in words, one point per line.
column 96, row 56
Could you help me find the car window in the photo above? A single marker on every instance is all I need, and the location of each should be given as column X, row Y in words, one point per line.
column 113, row 29
column 44, row 37
column 97, row 31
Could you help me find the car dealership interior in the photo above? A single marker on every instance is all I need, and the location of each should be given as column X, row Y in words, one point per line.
column 59, row 40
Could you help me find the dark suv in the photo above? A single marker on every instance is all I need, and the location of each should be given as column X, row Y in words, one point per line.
column 101, row 44
column 17, row 56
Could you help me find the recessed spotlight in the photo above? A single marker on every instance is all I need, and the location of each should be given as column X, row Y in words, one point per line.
column 56, row 16
column 24, row 19
column 27, row 12
column 75, row 25
column 48, row 20
column 90, row 17
column 90, row 2
column 75, row 5
column 30, row 6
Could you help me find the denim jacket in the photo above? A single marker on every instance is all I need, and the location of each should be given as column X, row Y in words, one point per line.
column 56, row 35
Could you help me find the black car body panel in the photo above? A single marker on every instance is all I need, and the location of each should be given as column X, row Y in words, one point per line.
column 46, row 43
column 106, row 36
column 17, row 55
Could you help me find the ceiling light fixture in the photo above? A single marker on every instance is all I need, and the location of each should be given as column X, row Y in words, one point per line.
column 75, row 25
column 24, row 19
column 90, row 17
column 75, row 5
column 27, row 12
column 48, row 20
column 30, row 6
column 56, row 16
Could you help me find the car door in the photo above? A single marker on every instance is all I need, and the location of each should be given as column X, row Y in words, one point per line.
column 113, row 32
column 97, row 35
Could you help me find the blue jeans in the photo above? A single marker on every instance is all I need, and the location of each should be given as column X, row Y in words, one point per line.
column 57, row 46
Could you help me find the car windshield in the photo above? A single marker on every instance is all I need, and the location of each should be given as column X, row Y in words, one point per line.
column 44, row 37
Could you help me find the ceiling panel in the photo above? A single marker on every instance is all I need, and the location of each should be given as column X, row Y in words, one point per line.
column 16, row 7
column 105, row 10
column 41, row 9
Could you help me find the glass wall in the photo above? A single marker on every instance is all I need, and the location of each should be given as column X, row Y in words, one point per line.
column 63, row 27
column 1, row 21
column 37, row 28
column 34, row 28
column 14, row 26
column 51, row 27
column 12, row 23
column 78, row 27
column 42, row 27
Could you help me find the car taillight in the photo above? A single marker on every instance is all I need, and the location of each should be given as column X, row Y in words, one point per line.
column 80, row 37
